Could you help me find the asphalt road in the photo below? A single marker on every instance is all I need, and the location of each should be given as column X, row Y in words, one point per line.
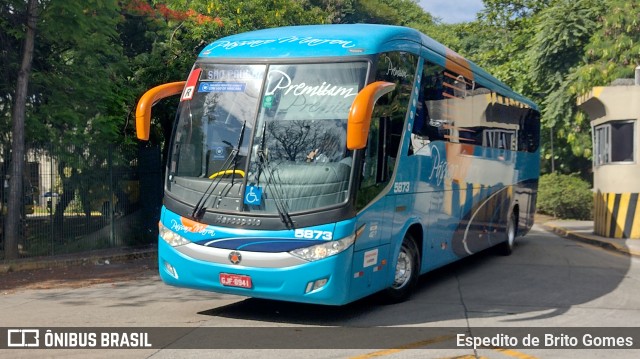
column 547, row 283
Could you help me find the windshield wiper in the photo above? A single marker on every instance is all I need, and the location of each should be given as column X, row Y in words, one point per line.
column 200, row 207
column 264, row 166
column 281, row 204
column 237, row 151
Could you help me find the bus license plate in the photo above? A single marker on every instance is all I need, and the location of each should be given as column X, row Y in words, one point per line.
column 235, row 280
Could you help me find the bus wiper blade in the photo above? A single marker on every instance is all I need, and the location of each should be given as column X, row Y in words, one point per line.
column 281, row 205
column 237, row 150
column 200, row 207
column 264, row 166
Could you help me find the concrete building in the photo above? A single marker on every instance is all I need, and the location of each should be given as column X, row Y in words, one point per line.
column 614, row 112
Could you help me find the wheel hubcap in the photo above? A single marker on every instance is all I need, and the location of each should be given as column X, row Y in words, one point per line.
column 404, row 268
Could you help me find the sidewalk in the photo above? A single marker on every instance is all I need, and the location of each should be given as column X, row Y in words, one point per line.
column 583, row 231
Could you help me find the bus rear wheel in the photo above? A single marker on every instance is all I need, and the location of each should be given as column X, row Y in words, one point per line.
column 407, row 268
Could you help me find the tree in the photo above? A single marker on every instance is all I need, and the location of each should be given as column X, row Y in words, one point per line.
column 506, row 29
column 12, row 35
column 392, row 12
column 80, row 91
column 562, row 32
column 578, row 45
column 509, row 14
column 14, row 202
column 336, row 10
column 612, row 51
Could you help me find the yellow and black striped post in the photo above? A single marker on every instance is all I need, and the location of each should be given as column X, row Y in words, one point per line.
column 617, row 215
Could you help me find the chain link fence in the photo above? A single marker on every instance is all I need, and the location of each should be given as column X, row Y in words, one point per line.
column 81, row 199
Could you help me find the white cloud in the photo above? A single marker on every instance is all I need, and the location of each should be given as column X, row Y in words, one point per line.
column 453, row 11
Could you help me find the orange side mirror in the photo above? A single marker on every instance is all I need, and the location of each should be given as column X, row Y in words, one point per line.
column 143, row 110
column 360, row 113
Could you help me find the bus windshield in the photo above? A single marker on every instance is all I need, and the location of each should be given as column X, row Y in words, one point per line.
column 265, row 138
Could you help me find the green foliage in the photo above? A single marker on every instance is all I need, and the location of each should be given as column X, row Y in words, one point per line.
column 564, row 196
column 12, row 33
column 509, row 14
column 94, row 58
column 562, row 31
column 579, row 45
column 78, row 92
column 393, row 12
column 246, row 15
column 614, row 49
column 375, row 12
column 498, row 41
column 561, row 34
column 553, row 51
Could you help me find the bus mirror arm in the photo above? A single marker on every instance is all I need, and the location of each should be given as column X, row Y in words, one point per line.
column 143, row 110
column 360, row 113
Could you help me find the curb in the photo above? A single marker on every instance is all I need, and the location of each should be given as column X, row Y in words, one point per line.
column 589, row 239
column 79, row 259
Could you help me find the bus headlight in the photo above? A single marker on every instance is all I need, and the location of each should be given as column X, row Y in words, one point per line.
column 171, row 237
column 324, row 250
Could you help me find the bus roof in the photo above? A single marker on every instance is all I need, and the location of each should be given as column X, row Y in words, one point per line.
column 310, row 41
column 339, row 40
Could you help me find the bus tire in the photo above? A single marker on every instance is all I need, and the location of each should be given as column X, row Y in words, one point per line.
column 407, row 269
column 506, row 248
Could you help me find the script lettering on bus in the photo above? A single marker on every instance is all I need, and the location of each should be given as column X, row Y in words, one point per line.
column 301, row 89
column 334, row 108
column 441, row 168
column 200, row 228
column 309, row 41
column 228, row 45
column 395, row 71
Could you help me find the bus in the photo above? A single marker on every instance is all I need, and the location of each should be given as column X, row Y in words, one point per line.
column 325, row 163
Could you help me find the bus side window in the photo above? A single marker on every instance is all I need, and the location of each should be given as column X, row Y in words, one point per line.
column 399, row 68
column 374, row 173
column 387, row 123
column 431, row 110
column 529, row 137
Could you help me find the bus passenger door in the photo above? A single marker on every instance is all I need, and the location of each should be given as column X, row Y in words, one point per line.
column 372, row 202
column 384, row 144
column 374, row 219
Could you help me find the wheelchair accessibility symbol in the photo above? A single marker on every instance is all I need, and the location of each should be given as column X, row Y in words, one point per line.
column 253, row 195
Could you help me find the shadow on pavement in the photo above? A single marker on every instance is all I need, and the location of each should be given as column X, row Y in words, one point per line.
column 544, row 278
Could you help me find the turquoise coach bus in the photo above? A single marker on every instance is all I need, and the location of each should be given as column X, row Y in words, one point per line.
column 325, row 163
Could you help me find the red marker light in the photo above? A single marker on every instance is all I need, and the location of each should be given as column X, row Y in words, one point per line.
column 190, row 87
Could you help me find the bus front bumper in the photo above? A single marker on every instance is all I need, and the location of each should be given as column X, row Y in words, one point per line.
column 325, row 281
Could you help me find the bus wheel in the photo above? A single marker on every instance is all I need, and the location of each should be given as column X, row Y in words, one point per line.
column 407, row 267
column 506, row 248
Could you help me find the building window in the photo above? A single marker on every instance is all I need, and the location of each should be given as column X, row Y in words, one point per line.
column 613, row 142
